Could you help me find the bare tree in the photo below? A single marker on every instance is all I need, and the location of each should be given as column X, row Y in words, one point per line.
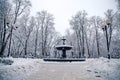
column 45, row 21
column 74, row 24
column 118, row 1
column 108, row 29
column 20, row 6
column 5, row 9
column 87, row 44
column 78, row 23
column 96, row 23
column 36, row 36
column 29, row 29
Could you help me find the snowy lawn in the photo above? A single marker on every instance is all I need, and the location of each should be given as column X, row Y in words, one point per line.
column 19, row 70
column 36, row 69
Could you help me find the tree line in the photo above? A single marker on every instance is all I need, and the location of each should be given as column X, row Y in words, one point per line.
column 96, row 36
column 23, row 35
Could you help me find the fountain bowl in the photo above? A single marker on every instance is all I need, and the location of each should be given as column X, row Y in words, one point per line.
column 63, row 47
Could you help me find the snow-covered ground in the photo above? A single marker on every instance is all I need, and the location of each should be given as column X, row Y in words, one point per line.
column 37, row 69
column 19, row 70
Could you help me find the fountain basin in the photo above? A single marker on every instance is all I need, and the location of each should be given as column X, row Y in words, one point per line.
column 63, row 47
column 64, row 59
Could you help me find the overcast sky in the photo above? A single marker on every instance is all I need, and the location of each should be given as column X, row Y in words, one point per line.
column 64, row 9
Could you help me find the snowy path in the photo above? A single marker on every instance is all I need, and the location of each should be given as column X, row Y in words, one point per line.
column 65, row 71
column 36, row 69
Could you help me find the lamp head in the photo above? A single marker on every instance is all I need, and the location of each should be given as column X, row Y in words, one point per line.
column 108, row 21
column 103, row 27
column 7, row 21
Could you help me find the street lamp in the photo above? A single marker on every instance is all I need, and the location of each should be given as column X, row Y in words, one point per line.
column 106, row 27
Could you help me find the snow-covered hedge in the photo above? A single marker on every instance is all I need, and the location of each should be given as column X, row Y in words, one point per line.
column 6, row 61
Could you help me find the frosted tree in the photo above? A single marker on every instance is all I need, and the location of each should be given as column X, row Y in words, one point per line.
column 18, row 9
column 107, row 28
column 45, row 22
column 96, row 23
column 5, row 9
column 78, row 22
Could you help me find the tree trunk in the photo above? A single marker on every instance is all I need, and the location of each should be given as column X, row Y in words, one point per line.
column 36, row 43
column 78, row 44
column 26, row 46
column 97, row 41
column 87, row 45
column 45, row 41
column 83, row 48
column 42, row 34
column 10, row 41
column 4, row 38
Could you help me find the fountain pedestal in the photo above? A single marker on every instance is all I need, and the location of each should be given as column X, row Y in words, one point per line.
column 64, row 54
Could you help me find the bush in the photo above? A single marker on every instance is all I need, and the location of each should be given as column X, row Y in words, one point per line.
column 6, row 61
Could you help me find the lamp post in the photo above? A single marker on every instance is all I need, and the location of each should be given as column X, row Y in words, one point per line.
column 106, row 27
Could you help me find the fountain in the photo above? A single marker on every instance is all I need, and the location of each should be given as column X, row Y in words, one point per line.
column 64, row 48
column 64, row 58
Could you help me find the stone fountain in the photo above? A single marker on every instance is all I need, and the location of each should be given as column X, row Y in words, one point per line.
column 64, row 58
column 63, row 48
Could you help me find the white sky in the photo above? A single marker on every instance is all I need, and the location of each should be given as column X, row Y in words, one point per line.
column 64, row 9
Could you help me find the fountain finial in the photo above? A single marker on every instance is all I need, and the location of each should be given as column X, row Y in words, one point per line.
column 63, row 40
